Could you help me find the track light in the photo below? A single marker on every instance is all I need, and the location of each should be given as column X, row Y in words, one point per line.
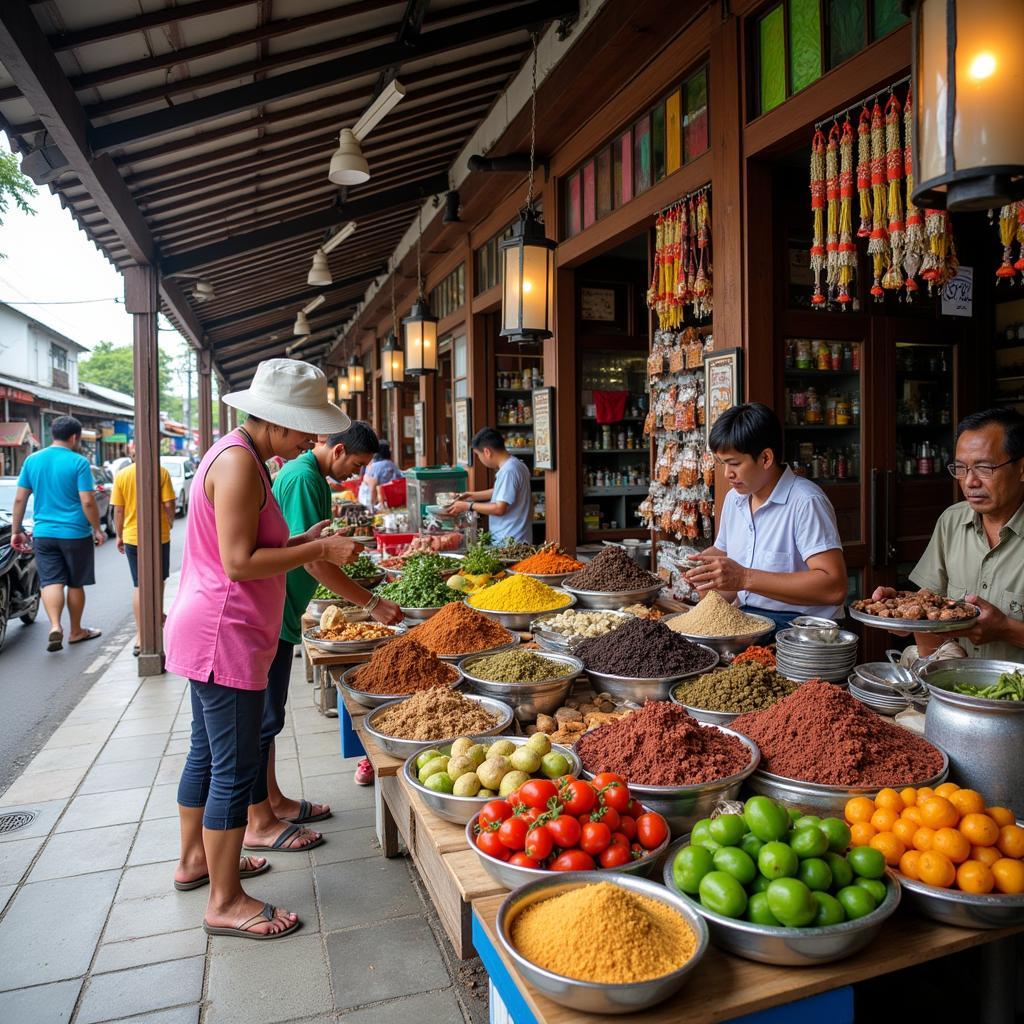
column 203, row 291
column 339, row 236
column 319, row 273
column 348, row 165
column 301, row 325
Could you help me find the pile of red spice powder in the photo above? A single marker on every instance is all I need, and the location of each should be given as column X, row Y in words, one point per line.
column 819, row 733
column 661, row 745
column 400, row 667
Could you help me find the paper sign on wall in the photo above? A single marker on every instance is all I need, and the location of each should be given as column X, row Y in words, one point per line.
column 958, row 295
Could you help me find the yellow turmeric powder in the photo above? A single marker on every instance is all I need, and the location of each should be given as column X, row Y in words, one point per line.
column 519, row 594
column 641, row 938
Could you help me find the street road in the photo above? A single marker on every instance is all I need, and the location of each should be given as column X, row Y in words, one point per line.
column 37, row 689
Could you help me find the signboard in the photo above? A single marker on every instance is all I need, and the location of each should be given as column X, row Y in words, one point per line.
column 722, row 384
column 543, row 428
column 16, row 395
column 958, row 295
column 419, row 427
column 463, row 420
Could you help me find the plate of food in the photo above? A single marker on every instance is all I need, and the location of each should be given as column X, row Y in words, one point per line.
column 915, row 611
column 337, row 635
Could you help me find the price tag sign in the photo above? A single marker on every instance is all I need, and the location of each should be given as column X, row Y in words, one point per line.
column 958, row 295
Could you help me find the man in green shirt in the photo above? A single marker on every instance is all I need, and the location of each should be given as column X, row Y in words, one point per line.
column 302, row 491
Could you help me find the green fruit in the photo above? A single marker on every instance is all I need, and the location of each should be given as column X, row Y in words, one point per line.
column 511, row 782
column 815, row 874
column 459, row 765
column 728, row 829
column 440, row 782
column 842, row 873
column 838, row 833
column 758, row 911
column 477, row 754
column 554, row 765
column 856, row 901
column 438, row 764
column 777, row 860
column 795, row 814
column 700, row 832
column 830, row 910
column 722, row 894
column 874, row 886
column 733, row 861
column 467, row 785
column 710, row 844
column 426, row 757
column 806, row 821
column 503, row 747
column 692, row 863
column 462, row 745
column 541, row 742
column 809, row 842
column 791, row 902
column 765, row 818
column 760, row 883
column 751, row 845
column 866, row 861
column 525, row 759
column 487, row 792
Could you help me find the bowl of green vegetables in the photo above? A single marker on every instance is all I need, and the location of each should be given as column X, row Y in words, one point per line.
column 324, row 598
column 364, row 571
column 420, row 591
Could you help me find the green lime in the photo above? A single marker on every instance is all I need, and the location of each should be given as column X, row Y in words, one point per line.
column 795, row 814
column 838, row 833
column 856, row 901
column 842, row 873
column 692, row 863
column 809, row 842
column 874, row 886
column 806, row 821
column 554, row 765
column 758, row 911
column 866, row 861
column 792, row 902
column 777, row 860
column 700, row 832
column 751, row 845
column 733, row 861
column 426, row 757
column 440, row 782
column 728, row 829
column 830, row 910
column 438, row 764
column 765, row 818
column 815, row 874
column 760, row 883
column 722, row 894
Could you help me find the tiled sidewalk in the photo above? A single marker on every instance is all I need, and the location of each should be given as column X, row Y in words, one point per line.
column 92, row 930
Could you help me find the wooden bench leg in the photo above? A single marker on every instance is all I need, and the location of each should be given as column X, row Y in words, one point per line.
column 389, row 830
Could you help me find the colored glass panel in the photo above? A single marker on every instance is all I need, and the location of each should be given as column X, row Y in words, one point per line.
column 616, row 174
column 846, row 29
column 696, row 131
column 673, row 132
column 572, row 206
column 625, row 147
column 658, row 142
column 589, row 194
column 804, row 42
column 886, row 15
column 642, row 155
column 604, row 182
column 772, row 59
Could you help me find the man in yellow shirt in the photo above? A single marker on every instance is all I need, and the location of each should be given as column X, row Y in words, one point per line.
column 125, row 505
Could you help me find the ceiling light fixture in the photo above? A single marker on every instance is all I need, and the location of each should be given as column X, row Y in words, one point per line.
column 392, row 358
column 452, row 201
column 348, row 165
column 319, row 275
column 302, row 319
column 356, row 375
column 339, row 236
column 420, row 325
column 203, row 291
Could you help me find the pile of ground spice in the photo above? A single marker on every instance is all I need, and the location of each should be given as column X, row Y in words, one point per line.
column 517, row 666
column 641, row 937
column 643, row 649
column 715, row 616
column 548, row 563
column 456, row 629
column 612, row 570
column 433, row 715
column 819, row 733
column 661, row 745
column 520, row 594
column 743, row 686
column 402, row 666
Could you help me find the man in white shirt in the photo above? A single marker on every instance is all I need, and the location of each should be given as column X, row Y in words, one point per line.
column 778, row 547
column 509, row 503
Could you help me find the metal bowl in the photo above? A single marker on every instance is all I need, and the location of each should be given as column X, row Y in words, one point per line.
column 915, row 625
column 887, row 706
column 727, row 646
column 683, row 806
column 318, row 605
column 703, row 714
column 589, row 996
column 454, row 659
column 963, row 909
column 812, row 629
column 402, row 748
column 529, row 699
column 369, row 581
column 789, row 947
column 552, row 641
column 463, row 809
column 421, row 614
column 374, row 700
column 612, row 599
column 520, row 621
column 552, row 579
column 351, row 646
column 395, row 572
column 639, row 689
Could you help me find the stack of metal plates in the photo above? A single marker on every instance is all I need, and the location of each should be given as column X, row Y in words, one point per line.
column 872, row 684
column 801, row 660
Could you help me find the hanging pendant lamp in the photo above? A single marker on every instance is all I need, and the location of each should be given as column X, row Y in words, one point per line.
column 392, row 358
column 420, row 326
column 344, row 386
column 319, row 275
column 356, row 375
column 301, row 326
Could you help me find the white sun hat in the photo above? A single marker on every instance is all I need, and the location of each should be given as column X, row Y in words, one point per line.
column 290, row 393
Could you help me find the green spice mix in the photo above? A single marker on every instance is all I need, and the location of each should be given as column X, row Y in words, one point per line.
column 744, row 687
column 517, row 667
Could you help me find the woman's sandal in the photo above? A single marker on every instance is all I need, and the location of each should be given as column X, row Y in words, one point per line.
column 268, row 913
column 198, row 883
column 282, row 844
column 306, row 815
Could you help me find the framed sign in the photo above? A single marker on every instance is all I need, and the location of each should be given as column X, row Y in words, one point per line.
column 544, row 428
column 419, row 411
column 604, row 307
column 722, row 384
column 463, row 431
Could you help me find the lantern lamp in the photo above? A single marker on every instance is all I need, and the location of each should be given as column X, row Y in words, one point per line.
column 332, row 395
column 968, row 74
column 420, row 326
column 392, row 363
column 344, row 389
column 528, row 266
column 356, row 375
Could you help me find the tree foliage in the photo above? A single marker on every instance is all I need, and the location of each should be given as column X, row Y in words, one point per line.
column 14, row 186
column 111, row 366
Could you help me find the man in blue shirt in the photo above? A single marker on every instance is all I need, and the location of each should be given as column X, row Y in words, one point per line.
column 778, row 548
column 509, row 503
column 66, row 529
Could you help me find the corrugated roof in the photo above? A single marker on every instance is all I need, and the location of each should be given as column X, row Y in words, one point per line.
column 66, row 397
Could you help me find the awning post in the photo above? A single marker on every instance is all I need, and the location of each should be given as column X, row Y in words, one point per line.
column 205, row 361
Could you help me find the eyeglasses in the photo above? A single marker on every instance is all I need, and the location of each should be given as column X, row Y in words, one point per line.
column 980, row 469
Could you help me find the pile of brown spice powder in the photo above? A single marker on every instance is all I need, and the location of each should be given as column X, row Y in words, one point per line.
column 457, row 629
column 661, row 745
column 402, row 666
column 433, row 715
column 819, row 733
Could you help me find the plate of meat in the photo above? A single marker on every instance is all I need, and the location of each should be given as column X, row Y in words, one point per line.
column 915, row 611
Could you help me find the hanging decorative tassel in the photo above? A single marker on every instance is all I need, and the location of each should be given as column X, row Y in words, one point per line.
column 683, row 234
column 673, row 270
column 818, row 209
column 893, row 277
column 847, row 245
column 702, row 306
column 691, row 239
column 832, row 211
column 864, row 172
column 940, row 261
column 654, row 291
column 913, row 250
column 1019, row 265
column 1007, row 231
column 878, row 246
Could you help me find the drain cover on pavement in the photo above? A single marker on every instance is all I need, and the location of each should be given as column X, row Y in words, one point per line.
column 14, row 820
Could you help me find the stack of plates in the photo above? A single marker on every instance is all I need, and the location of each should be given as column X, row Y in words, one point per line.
column 801, row 660
column 871, row 684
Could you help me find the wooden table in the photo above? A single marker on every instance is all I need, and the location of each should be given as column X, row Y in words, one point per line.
column 318, row 663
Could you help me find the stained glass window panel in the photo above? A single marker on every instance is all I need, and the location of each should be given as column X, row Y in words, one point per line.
column 658, row 142
column 804, row 42
column 589, row 194
column 604, row 182
column 572, row 206
column 673, row 132
column 625, row 147
column 772, row 59
column 846, row 23
column 886, row 15
column 696, row 131
column 642, row 155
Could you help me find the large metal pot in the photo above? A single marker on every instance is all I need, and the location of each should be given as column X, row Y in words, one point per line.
column 983, row 738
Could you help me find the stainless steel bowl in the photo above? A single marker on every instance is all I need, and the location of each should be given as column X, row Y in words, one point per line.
column 639, row 689
column 369, row 581
column 813, row 629
column 520, row 621
column 703, row 714
column 552, row 641
column 462, row 809
column 318, row 605
column 421, row 614
column 402, row 748
column 454, row 659
column 683, row 806
column 728, row 646
column 528, row 699
column 375, row 700
column 589, row 996
column 963, row 909
column 351, row 646
column 613, row 599
column 888, row 706
column 789, row 947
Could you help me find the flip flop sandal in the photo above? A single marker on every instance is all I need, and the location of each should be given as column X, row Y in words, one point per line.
column 92, row 634
column 280, row 844
column 55, row 640
column 242, row 931
column 304, row 817
column 198, row 883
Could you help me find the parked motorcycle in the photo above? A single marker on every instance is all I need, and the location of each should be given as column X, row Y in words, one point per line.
column 19, row 582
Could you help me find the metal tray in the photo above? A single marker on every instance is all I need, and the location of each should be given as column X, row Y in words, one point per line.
column 375, row 700
column 351, row 646
column 915, row 625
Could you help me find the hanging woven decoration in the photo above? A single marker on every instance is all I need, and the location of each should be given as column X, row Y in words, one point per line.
column 682, row 261
column 940, row 262
column 1019, row 265
column 913, row 247
column 1007, row 232
column 702, row 283
column 892, row 280
column 878, row 244
column 864, row 172
column 832, row 210
column 818, row 208
column 847, row 244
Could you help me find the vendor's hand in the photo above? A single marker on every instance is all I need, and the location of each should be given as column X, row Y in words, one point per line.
column 21, row 541
column 989, row 626
column 883, row 593
column 314, row 532
column 340, row 550
column 464, row 496
column 387, row 612
column 716, row 572
column 457, row 507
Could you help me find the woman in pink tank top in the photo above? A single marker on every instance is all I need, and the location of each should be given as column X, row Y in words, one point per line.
column 222, row 632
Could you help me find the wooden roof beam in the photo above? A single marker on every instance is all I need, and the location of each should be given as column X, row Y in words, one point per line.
column 279, row 326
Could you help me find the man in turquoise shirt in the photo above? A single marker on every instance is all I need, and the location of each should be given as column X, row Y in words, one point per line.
column 302, row 491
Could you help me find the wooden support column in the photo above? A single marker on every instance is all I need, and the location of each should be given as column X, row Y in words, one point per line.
column 427, row 391
column 205, row 362
column 373, row 387
column 561, row 485
column 222, row 409
column 141, row 299
column 480, row 386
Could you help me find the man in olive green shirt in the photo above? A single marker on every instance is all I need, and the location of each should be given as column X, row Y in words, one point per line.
column 976, row 552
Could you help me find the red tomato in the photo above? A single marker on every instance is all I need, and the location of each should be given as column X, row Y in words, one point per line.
column 564, row 780
column 573, row 860
column 522, row 861
column 617, row 796
column 637, row 851
column 565, row 831
column 595, row 837
column 538, row 843
column 492, row 845
column 537, row 793
column 619, row 839
column 635, row 809
column 651, row 830
column 512, row 833
column 494, row 810
column 627, row 826
column 603, row 779
column 610, row 817
column 578, row 797
column 616, row 856
column 529, row 814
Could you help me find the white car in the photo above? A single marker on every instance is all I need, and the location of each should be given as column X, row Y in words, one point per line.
column 182, row 471
column 117, row 465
